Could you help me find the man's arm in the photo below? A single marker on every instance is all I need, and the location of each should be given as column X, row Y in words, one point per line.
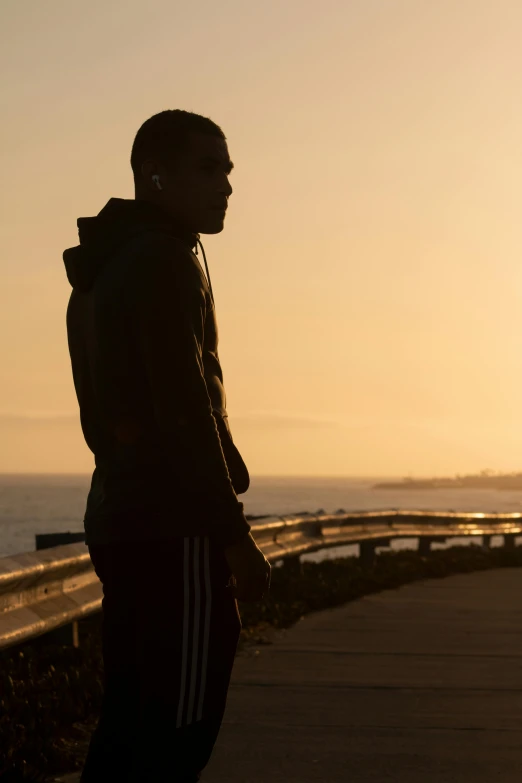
column 170, row 306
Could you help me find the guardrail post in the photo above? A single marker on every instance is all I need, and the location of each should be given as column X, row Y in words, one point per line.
column 486, row 541
column 47, row 540
column 509, row 540
column 367, row 553
column 66, row 634
column 293, row 566
column 424, row 546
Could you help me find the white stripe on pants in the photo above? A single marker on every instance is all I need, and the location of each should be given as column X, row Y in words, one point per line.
column 192, row 673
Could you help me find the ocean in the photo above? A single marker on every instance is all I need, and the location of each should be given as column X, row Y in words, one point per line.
column 43, row 503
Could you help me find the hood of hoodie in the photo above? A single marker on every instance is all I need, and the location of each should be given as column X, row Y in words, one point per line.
column 101, row 235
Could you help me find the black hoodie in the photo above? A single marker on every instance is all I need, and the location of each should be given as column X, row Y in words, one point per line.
column 143, row 339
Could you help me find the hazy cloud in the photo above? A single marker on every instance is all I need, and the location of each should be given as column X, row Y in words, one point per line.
column 274, row 420
column 36, row 419
column 35, row 415
column 278, row 421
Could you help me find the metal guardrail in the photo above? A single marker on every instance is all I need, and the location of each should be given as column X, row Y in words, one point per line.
column 51, row 588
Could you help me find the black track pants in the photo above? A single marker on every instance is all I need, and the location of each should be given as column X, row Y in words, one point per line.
column 170, row 632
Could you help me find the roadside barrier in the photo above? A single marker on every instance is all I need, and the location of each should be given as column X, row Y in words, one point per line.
column 53, row 588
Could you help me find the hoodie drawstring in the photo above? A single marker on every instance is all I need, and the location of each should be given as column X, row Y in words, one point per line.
column 198, row 242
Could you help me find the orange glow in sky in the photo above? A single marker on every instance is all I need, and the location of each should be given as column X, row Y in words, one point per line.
column 368, row 282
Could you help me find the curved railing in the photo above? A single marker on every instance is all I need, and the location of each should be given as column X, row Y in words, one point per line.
column 51, row 588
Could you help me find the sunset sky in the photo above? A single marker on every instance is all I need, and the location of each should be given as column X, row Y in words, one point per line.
column 368, row 282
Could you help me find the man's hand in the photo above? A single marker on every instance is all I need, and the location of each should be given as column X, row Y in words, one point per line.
column 250, row 568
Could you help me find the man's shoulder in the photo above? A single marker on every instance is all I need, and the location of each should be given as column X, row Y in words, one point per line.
column 157, row 248
column 159, row 244
column 162, row 257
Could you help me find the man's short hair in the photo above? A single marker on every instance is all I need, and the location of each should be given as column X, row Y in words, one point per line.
column 164, row 136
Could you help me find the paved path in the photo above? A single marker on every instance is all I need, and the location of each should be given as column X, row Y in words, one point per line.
column 422, row 684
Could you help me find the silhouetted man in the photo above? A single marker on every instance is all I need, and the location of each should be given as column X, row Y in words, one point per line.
column 166, row 533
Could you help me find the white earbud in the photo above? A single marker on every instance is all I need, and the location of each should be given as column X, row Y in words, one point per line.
column 155, row 179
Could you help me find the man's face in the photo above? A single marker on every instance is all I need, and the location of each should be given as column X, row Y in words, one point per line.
column 196, row 187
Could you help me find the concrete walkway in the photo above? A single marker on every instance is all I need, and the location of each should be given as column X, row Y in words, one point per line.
column 422, row 684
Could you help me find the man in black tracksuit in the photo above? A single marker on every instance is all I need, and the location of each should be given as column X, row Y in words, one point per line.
column 166, row 532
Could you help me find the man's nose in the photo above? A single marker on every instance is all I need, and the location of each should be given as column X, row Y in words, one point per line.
column 226, row 187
